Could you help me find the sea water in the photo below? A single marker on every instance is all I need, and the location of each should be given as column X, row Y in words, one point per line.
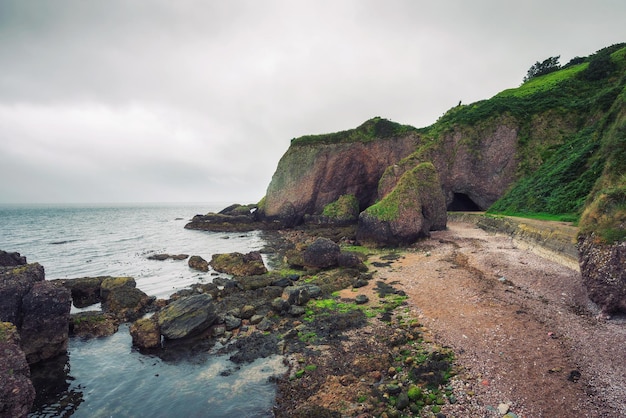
column 105, row 377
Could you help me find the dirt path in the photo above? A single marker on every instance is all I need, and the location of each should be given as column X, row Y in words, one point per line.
column 521, row 326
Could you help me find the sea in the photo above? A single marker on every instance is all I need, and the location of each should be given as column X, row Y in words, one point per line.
column 106, row 377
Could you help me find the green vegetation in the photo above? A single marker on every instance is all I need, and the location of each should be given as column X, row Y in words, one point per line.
column 345, row 207
column 375, row 128
column 406, row 193
column 560, row 186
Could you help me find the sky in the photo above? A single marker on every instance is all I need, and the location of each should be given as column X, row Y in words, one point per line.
column 109, row 101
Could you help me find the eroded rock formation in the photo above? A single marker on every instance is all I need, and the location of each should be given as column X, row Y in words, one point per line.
column 603, row 269
column 409, row 212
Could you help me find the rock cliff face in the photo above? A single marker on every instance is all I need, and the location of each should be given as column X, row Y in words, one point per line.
column 475, row 165
column 314, row 174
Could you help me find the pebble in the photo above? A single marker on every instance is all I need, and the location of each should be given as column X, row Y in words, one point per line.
column 503, row 408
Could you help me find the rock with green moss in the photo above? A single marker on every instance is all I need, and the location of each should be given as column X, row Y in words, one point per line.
column 239, row 264
column 145, row 333
column 121, row 298
column 93, row 324
column 187, row 317
column 409, row 212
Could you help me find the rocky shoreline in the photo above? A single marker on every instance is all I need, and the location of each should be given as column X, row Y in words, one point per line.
column 354, row 337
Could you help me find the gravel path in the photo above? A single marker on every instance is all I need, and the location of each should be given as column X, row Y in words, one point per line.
column 525, row 334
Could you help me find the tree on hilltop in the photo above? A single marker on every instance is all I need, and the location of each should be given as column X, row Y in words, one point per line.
column 549, row 65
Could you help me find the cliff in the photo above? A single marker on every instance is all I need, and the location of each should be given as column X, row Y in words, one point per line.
column 556, row 145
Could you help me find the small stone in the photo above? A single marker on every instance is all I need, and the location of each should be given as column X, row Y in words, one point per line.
column 256, row 319
column 361, row 299
column 393, row 389
column 503, row 408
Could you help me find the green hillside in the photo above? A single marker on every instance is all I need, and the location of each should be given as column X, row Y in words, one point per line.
column 572, row 145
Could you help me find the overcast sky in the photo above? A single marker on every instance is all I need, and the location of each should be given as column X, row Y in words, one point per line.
column 196, row 101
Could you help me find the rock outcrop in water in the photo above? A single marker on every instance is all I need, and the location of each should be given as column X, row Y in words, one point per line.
column 39, row 309
column 16, row 389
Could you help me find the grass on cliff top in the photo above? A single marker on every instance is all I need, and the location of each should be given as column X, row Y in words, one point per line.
column 373, row 129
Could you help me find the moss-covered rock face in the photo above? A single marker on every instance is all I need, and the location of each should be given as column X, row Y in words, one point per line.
column 345, row 208
column 414, row 207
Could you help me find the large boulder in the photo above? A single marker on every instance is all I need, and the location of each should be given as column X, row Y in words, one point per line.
column 93, row 324
column 321, row 253
column 187, row 316
column 45, row 326
column 11, row 259
column 238, row 264
column 85, row 290
column 15, row 283
column 16, row 389
column 603, row 270
column 145, row 333
column 409, row 212
column 198, row 263
column 38, row 308
column 121, row 297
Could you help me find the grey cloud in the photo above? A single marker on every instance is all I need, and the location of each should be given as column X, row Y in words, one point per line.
column 196, row 100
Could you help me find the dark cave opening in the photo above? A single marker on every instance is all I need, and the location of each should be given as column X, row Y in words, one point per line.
column 463, row 203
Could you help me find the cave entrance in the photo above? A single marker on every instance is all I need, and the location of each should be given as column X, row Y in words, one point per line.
column 463, row 203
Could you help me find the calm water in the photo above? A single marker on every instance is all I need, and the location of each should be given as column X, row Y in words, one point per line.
column 105, row 377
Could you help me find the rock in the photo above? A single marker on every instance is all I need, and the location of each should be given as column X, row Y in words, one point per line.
column 187, row 316
column 163, row 257
column 255, row 282
column 350, row 260
column 238, row 264
column 402, row 401
column 264, row 325
column 247, row 312
column 301, row 294
column 603, row 273
column 121, row 298
column 296, row 310
column 409, row 212
column 393, row 389
column 45, row 326
column 361, row 299
column 322, row 253
column 15, row 283
column 231, row 322
column 198, row 263
column 159, row 257
column 234, row 218
column 503, row 408
column 145, row 333
column 280, row 305
column 38, row 308
column 85, row 291
column 17, row 393
column 256, row 319
column 93, row 324
column 11, row 259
